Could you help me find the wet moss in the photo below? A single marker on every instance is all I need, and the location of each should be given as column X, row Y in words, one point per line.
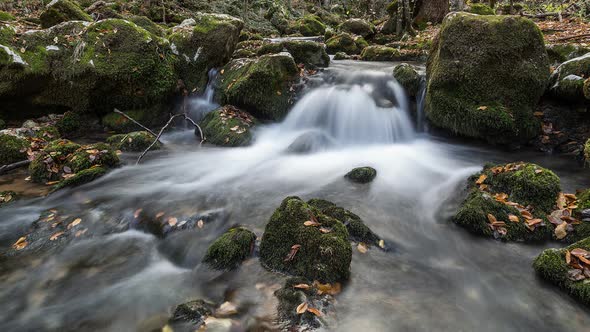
column 147, row 24
column 120, row 124
column 358, row 27
column 311, row 25
column 309, row 53
column 228, row 126
column 261, row 86
column 230, row 249
column 551, row 266
column 481, row 9
column 321, row 256
column 408, row 77
column 61, row 11
column 496, row 106
column 559, row 53
column 70, row 124
column 82, row 177
column 346, row 43
column 47, row 133
column 136, row 141
column 12, row 149
column 570, row 88
column 61, row 147
column 380, row 53
column 341, row 56
column 7, row 17
column 361, row 174
column 89, row 155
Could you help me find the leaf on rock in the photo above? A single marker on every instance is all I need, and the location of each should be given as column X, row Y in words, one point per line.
column 315, row 311
column 513, row 218
column 55, row 236
column 302, row 308
column 76, row 221
column 20, row 243
column 362, row 248
column 568, row 257
column 302, row 286
column 292, row 253
column 311, row 223
column 481, row 179
column 560, row 231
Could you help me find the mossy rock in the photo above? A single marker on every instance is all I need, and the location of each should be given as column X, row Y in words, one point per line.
column 262, row 86
column 559, row 53
column 12, row 149
column 471, row 93
column 357, row 229
column 361, row 174
column 481, row 9
column 47, row 133
column 551, row 266
column 120, row 124
column 82, row 177
column 341, row 56
column 345, row 42
column 587, row 88
column 136, row 141
column 206, row 44
column 148, row 24
column 567, row 81
column 358, row 27
column 230, row 249
column 70, row 124
column 525, row 184
column 90, row 155
column 48, row 164
column 311, row 54
column 2, row 124
column 228, row 126
column 311, row 25
column 408, row 77
column 193, row 312
column 380, row 53
column 320, row 256
column 7, row 17
column 570, row 88
column 58, row 11
column 7, row 197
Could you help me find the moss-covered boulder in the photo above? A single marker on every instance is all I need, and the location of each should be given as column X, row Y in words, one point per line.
column 408, row 77
column 70, row 124
column 299, row 290
column 147, row 24
column 510, row 202
column 12, row 149
column 228, row 126
column 262, row 86
column 358, row 27
column 48, row 164
column 567, row 81
column 341, row 56
column 361, row 174
column 90, row 155
column 564, row 269
column 473, row 93
column 559, row 53
column 380, row 53
column 136, row 141
column 230, row 249
column 481, row 9
column 311, row 25
column 58, row 11
column 345, row 42
column 357, row 229
column 82, row 177
column 311, row 54
column 207, row 42
column 120, row 124
column 317, row 251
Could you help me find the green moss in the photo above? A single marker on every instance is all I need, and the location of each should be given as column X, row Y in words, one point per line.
column 2, row 124
column 321, row 256
column 120, row 124
column 380, row 53
column 341, row 56
column 136, row 141
column 311, row 25
column 228, row 126
column 230, row 249
column 90, row 155
column 70, row 124
column 587, row 88
column 358, row 27
column 481, row 9
column 551, row 266
column 408, row 77
column 570, row 88
column 62, row 11
column 7, row 197
column 7, row 17
column 471, row 89
column 583, row 197
column 61, row 147
column 361, row 174
column 147, row 24
column 559, row 53
column 82, row 177
column 261, row 86
column 7, row 34
column 392, row 8
column 47, row 133
column 346, row 43
column 12, row 149
column 309, row 53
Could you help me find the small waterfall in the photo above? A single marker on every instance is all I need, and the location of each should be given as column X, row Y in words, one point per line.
column 421, row 125
column 199, row 106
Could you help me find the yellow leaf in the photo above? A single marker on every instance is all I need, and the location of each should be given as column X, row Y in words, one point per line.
column 301, row 308
column 362, row 248
column 482, row 108
column 74, row 223
column 560, row 231
column 20, row 243
column 513, row 218
column 481, row 179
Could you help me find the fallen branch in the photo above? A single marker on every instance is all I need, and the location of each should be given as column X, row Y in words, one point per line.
column 543, row 15
column 10, row 167
column 137, row 123
column 574, row 37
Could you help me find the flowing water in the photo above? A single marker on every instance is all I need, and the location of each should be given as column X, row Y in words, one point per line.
column 435, row 277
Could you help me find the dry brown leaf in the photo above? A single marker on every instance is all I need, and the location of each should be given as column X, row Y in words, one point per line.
column 579, row 252
column 568, row 256
column 302, row 286
column 302, row 308
column 311, row 223
column 491, row 218
column 481, row 179
column 55, row 236
column 20, row 243
column 561, row 202
column 325, row 230
column 513, row 218
column 560, row 231
column 76, row 221
column 315, row 311
column 362, row 248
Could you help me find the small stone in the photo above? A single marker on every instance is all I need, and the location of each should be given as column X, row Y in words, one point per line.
column 362, row 174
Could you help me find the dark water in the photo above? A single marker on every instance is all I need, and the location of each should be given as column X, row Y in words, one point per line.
column 436, row 277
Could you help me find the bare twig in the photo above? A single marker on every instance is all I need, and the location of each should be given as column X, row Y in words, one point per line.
column 196, row 126
column 137, row 123
column 575, row 37
column 10, row 167
column 158, row 136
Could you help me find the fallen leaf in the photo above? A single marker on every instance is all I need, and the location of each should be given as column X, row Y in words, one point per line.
column 491, row 218
column 327, row 288
column 568, row 257
column 292, row 253
column 560, row 231
column 482, row 108
column 200, row 223
column 159, row 215
column 381, row 244
column 55, row 236
column 311, row 223
column 226, row 309
column 301, row 286
column 513, row 218
column 302, row 308
column 80, row 232
column 20, row 243
column 172, row 221
column 315, row 311
column 481, row 179
column 538, row 171
column 325, row 230
column 74, row 223
column 137, row 212
column 362, row 248
column 579, row 252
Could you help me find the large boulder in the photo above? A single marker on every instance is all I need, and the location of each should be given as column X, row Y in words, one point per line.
column 228, row 126
column 301, row 240
column 58, row 11
column 261, row 86
column 311, row 54
column 113, row 57
column 358, row 27
column 205, row 42
column 567, row 81
column 345, row 42
column 485, row 75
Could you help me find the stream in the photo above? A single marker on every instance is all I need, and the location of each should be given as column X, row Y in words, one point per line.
column 436, row 276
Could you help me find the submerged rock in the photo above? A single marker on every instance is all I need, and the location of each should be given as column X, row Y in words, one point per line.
column 408, row 77
column 136, row 141
column 321, row 252
column 228, row 126
column 58, row 11
column 473, row 94
column 346, row 43
column 192, row 313
column 12, row 149
column 309, row 142
column 361, row 174
column 510, row 202
column 262, row 86
column 230, row 249
column 358, row 27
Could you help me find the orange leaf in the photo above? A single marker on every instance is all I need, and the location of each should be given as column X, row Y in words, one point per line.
column 491, row 218
column 568, row 256
column 315, row 311
column 301, row 286
column 301, row 308
column 55, row 236
column 481, row 179
column 513, row 218
column 20, row 243
column 74, row 223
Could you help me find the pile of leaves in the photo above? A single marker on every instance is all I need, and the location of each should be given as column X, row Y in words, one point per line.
column 230, row 112
column 569, row 30
column 578, row 260
column 562, row 217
